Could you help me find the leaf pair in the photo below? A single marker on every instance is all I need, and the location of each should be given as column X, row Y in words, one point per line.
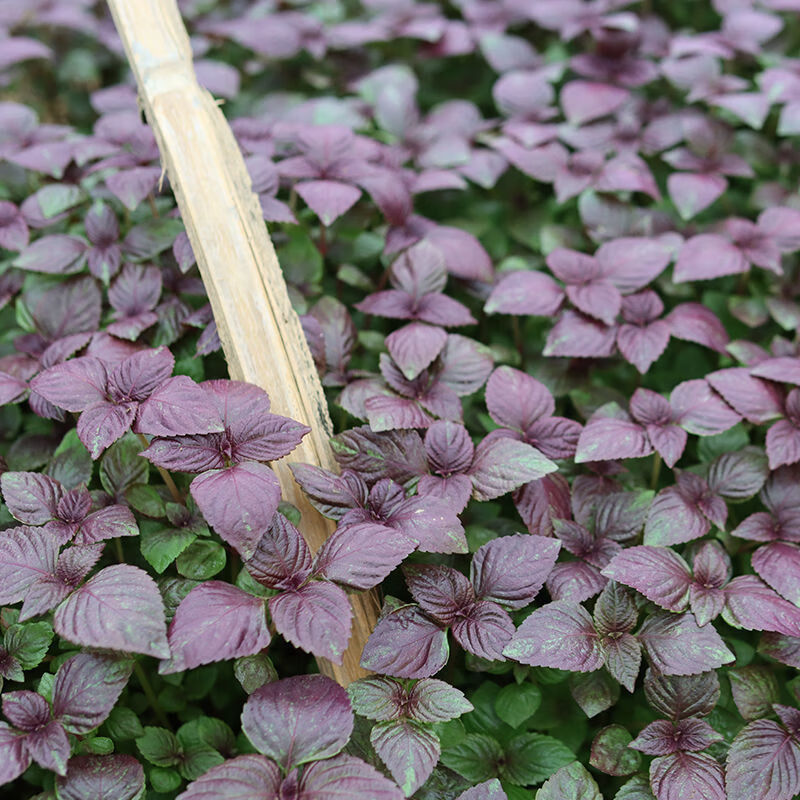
column 411, row 641
column 299, row 726
column 85, row 689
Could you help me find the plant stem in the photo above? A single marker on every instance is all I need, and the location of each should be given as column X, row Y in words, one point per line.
column 322, row 244
column 141, row 676
column 153, row 207
column 656, row 471
column 518, row 341
column 120, row 553
column 166, row 477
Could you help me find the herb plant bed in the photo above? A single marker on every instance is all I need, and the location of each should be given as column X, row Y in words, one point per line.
column 544, row 258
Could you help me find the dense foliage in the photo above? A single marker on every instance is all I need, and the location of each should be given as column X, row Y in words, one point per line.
column 582, row 509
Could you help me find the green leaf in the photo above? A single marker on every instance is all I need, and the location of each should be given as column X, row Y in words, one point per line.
column 164, row 780
column 637, row 788
column 160, row 747
column 71, row 464
column 123, row 724
column 611, row 754
column 199, row 682
column 735, row 438
column 97, row 746
column 145, row 500
column 161, row 546
column 594, row 692
column 45, row 687
column 198, row 761
column 253, row 672
column 121, row 466
column 571, row 782
column 151, row 237
column 516, row 703
column 299, row 258
column 59, row 197
column 533, row 757
column 29, row 642
column 206, row 732
column 201, row 560
column 483, row 718
column 476, row 757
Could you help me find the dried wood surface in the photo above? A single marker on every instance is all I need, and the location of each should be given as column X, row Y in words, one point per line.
column 260, row 332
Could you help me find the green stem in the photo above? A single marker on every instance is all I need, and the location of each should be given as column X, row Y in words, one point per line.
column 141, row 675
column 166, row 477
column 120, row 553
column 656, row 471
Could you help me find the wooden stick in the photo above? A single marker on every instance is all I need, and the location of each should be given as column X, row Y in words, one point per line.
column 260, row 332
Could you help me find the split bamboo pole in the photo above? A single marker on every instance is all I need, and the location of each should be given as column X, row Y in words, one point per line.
column 260, row 332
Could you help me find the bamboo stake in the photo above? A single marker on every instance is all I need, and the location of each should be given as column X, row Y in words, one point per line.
column 260, row 332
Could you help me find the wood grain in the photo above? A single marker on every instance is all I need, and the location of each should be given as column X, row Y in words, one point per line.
column 260, row 332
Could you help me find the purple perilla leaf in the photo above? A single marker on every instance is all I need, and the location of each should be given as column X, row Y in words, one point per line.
column 525, row 293
column 41, row 500
column 406, row 644
column 684, row 512
column 346, row 776
column 26, row 557
column 419, row 277
column 698, row 409
column 757, row 400
column 584, row 101
column 329, row 493
column 560, row 635
column 86, row 688
column 752, row 605
column 655, row 414
column 110, row 397
column 427, row 521
column 502, row 465
column 328, row 199
column 522, row 404
column 511, row 570
column 249, row 777
column 541, row 502
column 611, row 434
column 675, row 645
column 118, row 776
column 754, row 689
column 14, row 233
column 120, row 608
column 43, row 739
column 415, row 346
column 577, row 336
column 297, row 720
column 281, row 559
column 738, row 475
column 658, row 573
column 56, row 254
column 215, row 622
column 681, row 775
column 360, row 556
column 642, row 337
column 778, row 565
column 429, row 700
column 693, row 322
column 409, row 751
column 238, row 502
column 763, row 759
column 712, row 570
column 682, row 696
column 782, row 520
column 315, row 617
column 662, row 737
